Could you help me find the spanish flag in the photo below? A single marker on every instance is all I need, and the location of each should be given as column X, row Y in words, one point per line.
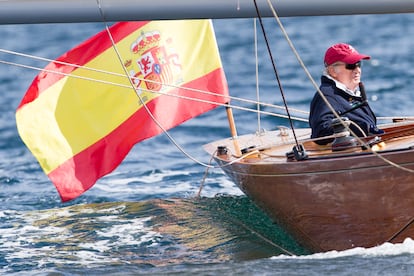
column 86, row 110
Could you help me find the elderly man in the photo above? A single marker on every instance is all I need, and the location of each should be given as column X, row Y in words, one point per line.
column 341, row 85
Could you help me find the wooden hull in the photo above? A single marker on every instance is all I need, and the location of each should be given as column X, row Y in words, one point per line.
column 333, row 202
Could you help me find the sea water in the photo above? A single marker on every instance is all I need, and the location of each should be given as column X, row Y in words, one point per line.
column 145, row 217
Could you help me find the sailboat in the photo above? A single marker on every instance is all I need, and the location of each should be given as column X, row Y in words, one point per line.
column 327, row 197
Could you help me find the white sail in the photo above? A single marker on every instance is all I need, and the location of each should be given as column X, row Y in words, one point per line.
column 64, row 11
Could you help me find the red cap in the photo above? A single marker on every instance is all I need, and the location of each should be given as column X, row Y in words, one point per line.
column 343, row 52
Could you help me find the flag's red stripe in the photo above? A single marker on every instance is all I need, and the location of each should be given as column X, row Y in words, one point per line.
column 80, row 55
column 105, row 155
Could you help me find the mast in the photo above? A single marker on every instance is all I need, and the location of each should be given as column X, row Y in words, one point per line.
column 66, row 11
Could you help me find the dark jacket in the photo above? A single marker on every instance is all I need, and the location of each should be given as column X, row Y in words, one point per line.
column 320, row 116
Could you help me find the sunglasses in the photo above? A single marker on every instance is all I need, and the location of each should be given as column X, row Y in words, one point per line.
column 349, row 66
column 353, row 65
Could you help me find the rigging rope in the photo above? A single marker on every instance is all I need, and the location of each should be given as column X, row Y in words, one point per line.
column 257, row 76
column 233, row 98
column 276, row 74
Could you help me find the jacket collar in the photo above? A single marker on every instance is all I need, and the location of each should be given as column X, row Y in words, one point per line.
column 340, row 85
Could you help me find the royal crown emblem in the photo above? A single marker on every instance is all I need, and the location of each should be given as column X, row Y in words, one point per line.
column 145, row 42
column 152, row 68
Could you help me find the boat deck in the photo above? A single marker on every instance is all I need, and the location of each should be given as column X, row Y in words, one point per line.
column 272, row 146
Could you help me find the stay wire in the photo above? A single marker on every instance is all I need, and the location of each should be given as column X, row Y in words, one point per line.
column 259, row 128
column 276, row 74
column 232, row 98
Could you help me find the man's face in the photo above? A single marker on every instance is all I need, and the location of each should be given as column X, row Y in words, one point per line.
column 348, row 74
